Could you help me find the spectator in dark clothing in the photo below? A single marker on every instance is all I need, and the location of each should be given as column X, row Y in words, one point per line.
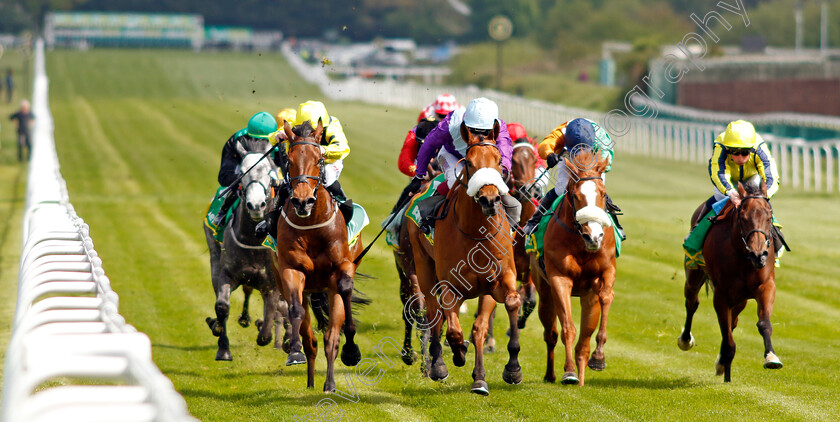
column 9, row 85
column 24, row 119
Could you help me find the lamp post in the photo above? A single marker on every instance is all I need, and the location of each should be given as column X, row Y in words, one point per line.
column 500, row 29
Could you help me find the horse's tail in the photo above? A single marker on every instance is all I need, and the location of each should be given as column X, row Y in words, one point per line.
column 321, row 309
column 363, row 276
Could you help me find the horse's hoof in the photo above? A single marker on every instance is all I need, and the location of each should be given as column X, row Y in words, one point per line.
column 244, row 321
column 262, row 341
column 224, row 355
column 480, row 387
column 329, row 387
column 550, row 378
column 719, row 369
column 685, row 345
column 214, row 325
column 771, row 361
column 296, row 358
column 490, row 347
column 409, row 357
column 459, row 356
column 439, row 372
column 512, row 377
column 258, row 323
column 350, row 354
column 287, row 346
column 597, row 364
column 570, row 378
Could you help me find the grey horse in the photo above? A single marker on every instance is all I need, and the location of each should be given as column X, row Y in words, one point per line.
column 242, row 260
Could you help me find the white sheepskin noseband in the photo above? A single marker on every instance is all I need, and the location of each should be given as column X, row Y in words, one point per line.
column 486, row 176
column 592, row 213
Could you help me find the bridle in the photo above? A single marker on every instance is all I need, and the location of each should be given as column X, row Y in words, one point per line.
column 305, row 177
column 571, row 198
column 467, row 174
column 741, row 229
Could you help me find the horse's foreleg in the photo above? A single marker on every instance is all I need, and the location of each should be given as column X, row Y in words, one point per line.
column 281, row 321
column 408, row 355
column 310, row 345
column 605, row 298
column 694, row 279
column 529, row 295
column 486, row 305
column 454, row 333
column 292, row 285
column 736, row 310
column 506, row 291
column 765, row 298
column 270, row 299
column 561, row 289
column 490, row 341
column 219, row 325
column 350, row 353
column 590, row 310
column 548, row 317
column 245, row 317
column 332, row 337
column 723, row 366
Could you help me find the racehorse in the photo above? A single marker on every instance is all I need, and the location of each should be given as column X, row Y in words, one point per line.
column 242, row 259
column 472, row 244
column 315, row 257
column 409, row 287
column 522, row 184
column 579, row 257
column 737, row 250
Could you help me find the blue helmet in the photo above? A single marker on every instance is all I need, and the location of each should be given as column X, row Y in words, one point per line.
column 579, row 131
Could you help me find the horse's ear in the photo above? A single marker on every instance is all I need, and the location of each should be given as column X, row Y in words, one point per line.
column 603, row 162
column 287, row 129
column 465, row 134
column 319, row 129
column 496, row 130
column 741, row 190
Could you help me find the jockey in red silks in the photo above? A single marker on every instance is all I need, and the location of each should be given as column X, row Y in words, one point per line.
column 436, row 111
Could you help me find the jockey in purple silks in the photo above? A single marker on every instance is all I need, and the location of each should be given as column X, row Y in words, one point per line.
column 445, row 143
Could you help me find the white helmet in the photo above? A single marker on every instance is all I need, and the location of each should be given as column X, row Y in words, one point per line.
column 481, row 114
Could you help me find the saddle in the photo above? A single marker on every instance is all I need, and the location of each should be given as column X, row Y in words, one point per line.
column 429, row 208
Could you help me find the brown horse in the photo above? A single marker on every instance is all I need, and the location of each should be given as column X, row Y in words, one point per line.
column 314, row 257
column 522, row 183
column 579, row 261
column 737, row 251
column 409, row 286
column 472, row 245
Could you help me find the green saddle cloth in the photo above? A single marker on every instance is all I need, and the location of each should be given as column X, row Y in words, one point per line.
column 413, row 211
column 213, row 208
column 534, row 242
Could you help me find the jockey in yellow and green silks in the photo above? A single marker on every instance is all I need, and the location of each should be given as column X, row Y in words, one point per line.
column 739, row 154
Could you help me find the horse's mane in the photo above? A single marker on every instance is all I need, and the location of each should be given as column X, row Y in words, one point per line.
column 753, row 185
column 304, row 129
column 252, row 144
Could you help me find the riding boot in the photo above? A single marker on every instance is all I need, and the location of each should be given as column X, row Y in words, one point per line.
column 513, row 209
column 345, row 207
column 545, row 205
column 220, row 216
column 615, row 211
column 428, row 208
column 269, row 222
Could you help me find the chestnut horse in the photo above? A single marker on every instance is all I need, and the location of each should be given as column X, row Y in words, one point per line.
column 739, row 256
column 314, row 257
column 579, row 261
column 472, row 245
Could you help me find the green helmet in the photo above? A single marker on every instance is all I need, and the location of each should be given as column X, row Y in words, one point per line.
column 262, row 125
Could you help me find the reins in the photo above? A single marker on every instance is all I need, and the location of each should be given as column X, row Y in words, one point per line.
column 741, row 229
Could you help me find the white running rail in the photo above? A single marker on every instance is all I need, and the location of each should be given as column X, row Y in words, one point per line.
column 72, row 357
column 803, row 165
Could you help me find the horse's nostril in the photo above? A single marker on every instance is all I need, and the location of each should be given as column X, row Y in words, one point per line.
column 497, row 199
column 262, row 204
column 310, row 201
column 295, row 202
column 250, row 206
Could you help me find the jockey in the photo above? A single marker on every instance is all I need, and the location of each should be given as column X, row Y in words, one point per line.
column 446, row 143
column 260, row 126
column 520, row 139
column 334, row 149
column 408, row 155
column 575, row 133
column 739, row 154
column 436, row 111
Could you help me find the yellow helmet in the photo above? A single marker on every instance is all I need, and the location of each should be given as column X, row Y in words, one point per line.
column 286, row 115
column 739, row 134
column 311, row 111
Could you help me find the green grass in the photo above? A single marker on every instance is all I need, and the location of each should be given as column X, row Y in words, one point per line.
column 139, row 136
